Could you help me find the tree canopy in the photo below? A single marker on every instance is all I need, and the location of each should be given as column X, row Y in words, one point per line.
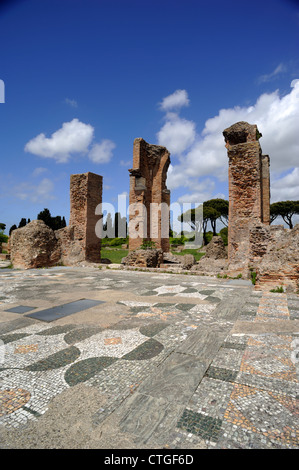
column 55, row 223
column 284, row 209
column 210, row 211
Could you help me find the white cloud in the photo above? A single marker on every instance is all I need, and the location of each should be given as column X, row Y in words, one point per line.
column 72, row 103
column 126, row 163
column 102, row 153
column 203, row 155
column 38, row 171
column 176, row 100
column 270, row 76
column 72, row 137
column 201, row 191
column 286, row 188
column 177, row 134
column 35, row 193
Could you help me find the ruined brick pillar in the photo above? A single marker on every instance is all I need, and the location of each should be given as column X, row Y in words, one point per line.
column 248, row 201
column 149, row 196
column 265, row 160
column 85, row 195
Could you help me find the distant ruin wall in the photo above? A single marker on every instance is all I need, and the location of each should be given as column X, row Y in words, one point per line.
column 85, row 195
column 36, row 245
column 148, row 191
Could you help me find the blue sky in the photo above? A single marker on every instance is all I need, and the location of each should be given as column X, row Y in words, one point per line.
column 83, row 79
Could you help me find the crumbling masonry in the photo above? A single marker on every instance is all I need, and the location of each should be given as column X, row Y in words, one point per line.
column 270, row 252
column 36, row 245
column 249, row 190
column 148, row 190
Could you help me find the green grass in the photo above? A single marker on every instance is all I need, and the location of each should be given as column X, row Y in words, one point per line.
column 189, row 251
column 278, row 290
column 115, row 256
column 10, row 266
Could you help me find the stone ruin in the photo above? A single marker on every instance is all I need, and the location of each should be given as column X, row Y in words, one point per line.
column 36, row 245
column 249, row 190
column 254, row 247
column 271, row 252
column 148, row 191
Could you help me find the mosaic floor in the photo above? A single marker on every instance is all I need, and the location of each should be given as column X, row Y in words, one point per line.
column 183, row 361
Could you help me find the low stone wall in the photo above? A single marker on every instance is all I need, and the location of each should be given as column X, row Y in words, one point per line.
column 149, row 258
column 274, row 256
column 34, row 246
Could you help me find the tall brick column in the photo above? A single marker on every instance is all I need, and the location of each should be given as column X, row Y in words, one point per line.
column 148, row 189
column 248, row 202
column 266, row 188
column 85, row 195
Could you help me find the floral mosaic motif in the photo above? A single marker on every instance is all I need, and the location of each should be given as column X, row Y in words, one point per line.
column 13, row 399
column 260, row 411
column 269, row 357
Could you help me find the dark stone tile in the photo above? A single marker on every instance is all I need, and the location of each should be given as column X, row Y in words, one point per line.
column 206, row 292
column 201, row 425
column 56, row 360
column 190, row 290
column 166, row 305
column 20, row 309
column 80, row 334
column 153, row 329
column 184, row 307
column 214, row 300
column 12, row 337
column 146, row 350
column 237, row 346
column 221, row 374
column 60, row 311
column 86, row 369
column 56, row 330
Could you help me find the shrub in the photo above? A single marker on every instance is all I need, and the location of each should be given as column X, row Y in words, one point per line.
column 148, row 245
column 279, row 290
column 224, row 235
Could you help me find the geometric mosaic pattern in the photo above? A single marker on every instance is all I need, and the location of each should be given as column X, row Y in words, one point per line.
column 246, row 396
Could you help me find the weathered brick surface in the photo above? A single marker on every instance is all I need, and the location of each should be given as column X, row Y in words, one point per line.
column 248, row 190
column 148, row 186
column 36, row 245
column 85, row 195
column 265, row 160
